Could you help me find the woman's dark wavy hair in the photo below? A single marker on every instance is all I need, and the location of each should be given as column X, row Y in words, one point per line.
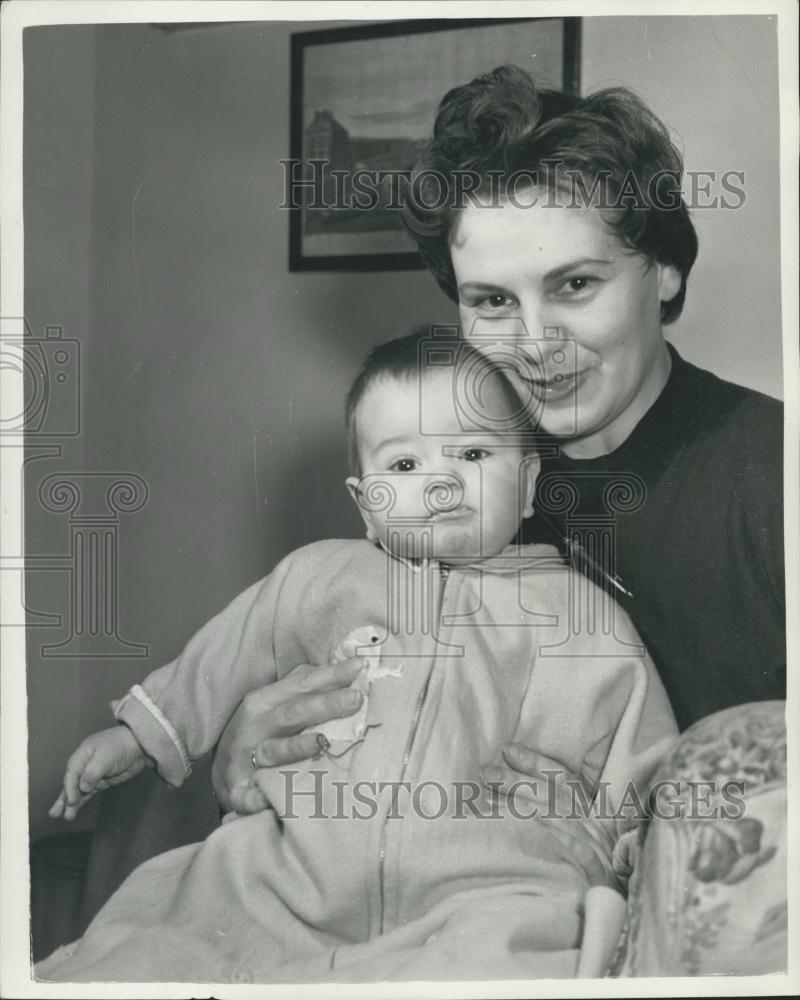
column 501, row 124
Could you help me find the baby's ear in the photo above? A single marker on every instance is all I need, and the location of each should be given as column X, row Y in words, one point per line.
column 529, row 473
column 352, row 484
column 352, row 488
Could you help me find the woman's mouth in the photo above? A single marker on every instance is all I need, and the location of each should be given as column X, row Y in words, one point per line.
column 558, row 386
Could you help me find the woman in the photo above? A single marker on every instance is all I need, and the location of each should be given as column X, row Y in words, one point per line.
column 557, row 224
column 699, row 557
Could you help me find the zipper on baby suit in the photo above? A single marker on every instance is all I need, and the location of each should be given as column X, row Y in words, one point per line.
column 444, row 573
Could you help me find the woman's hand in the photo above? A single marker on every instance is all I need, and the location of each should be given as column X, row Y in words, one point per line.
column 267, row 727
column 553, row 790
column 531, row 775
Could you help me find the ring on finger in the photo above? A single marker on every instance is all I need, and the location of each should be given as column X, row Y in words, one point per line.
column 256, row 766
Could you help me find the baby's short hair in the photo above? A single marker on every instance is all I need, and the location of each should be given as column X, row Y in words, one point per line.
column 406, row 358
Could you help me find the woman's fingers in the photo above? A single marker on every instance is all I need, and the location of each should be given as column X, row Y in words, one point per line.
column 320, row 679
column 304, row 698
column 551, row 793
column 311, row 709
column 303, row 680
column 275, row 752
column 534, row 764
column 534, row 776
column 507, row 781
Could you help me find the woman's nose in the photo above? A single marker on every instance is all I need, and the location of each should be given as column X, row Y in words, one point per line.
column 545, row 355
column 533, row 333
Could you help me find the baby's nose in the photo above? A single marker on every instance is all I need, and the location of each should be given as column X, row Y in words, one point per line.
column 443, row 492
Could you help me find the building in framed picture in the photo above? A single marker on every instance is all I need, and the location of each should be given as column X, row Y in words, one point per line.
column 363, row 102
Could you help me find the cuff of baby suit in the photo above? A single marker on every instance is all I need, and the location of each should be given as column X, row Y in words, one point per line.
column 155, row 733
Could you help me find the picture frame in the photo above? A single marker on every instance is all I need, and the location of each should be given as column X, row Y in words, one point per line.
column 363, row 101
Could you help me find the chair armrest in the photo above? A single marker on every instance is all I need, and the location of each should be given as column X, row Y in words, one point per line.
column 142, row 818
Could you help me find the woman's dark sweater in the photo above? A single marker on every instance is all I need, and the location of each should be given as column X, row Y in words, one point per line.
column 698, row 524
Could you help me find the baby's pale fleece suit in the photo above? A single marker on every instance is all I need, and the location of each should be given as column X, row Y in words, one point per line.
column 392, row 861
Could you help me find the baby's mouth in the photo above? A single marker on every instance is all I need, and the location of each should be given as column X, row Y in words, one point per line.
column 457, row 514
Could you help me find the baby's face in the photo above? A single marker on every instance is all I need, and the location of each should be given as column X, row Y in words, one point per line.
column 431, row 488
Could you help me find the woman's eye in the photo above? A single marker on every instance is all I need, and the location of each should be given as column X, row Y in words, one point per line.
column 494, row 302
column 403, row 465
column 475, row 454
column 580, row 283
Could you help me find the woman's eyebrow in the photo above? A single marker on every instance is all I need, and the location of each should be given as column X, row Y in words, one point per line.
column 482, row 286
column 573, row 265
column 554, row 274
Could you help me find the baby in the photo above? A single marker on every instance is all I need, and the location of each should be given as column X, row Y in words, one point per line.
column 386, row 858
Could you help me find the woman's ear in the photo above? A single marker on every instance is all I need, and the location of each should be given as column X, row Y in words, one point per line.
column 352, row 484
column 531, row 465
column 669, row 282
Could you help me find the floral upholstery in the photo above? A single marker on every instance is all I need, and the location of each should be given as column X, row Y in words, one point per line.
column 708, row 890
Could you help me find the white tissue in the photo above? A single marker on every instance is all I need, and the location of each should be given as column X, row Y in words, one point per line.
column 351, row 728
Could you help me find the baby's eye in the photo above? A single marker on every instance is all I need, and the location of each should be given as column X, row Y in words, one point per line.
column 474, row 454
column 403, row 465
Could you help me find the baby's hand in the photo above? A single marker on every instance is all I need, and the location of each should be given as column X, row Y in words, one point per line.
column 247, row 798
column 105, row 758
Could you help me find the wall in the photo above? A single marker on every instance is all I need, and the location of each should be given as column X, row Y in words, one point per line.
column 211, row 371
column 58, row 184
column 152, row 235
column 714, row 80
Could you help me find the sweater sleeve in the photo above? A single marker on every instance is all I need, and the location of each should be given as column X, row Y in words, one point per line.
column 179, row 711
column 596, row 705
column 644, row 733
column 759, row 493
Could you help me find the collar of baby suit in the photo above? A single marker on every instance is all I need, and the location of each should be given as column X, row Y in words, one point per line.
column 511, row 560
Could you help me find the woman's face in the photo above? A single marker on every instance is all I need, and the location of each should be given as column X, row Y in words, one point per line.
column 552, row 291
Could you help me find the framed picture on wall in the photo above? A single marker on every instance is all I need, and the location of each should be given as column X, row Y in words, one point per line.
column 363, row 101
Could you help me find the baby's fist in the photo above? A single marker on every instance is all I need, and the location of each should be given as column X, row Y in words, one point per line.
column 105, row 758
